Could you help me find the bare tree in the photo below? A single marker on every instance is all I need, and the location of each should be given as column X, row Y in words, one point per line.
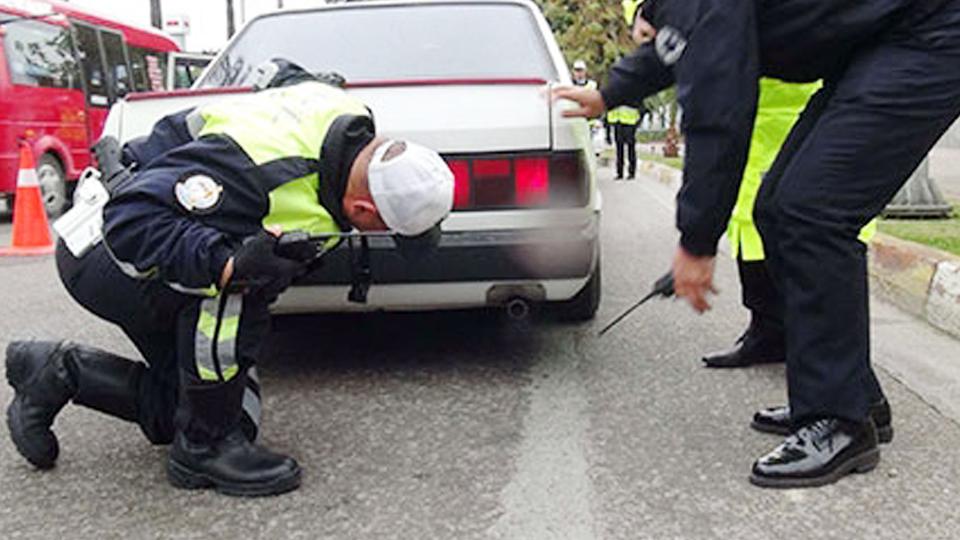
column 231, row 29
column 156, row 18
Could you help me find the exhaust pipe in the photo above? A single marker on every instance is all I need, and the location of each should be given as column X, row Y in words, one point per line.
column 518, row 309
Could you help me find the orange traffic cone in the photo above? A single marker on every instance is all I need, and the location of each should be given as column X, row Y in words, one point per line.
column 31, row 232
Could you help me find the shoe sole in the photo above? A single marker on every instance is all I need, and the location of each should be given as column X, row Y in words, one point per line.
column 760, row 362
column 22, row 443
column 183, row 477
column 860, row 464
column 884, row 434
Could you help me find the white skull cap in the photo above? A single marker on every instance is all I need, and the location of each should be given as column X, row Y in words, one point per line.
column 413, row 191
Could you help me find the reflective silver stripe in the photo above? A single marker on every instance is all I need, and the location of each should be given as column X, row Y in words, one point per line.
column 195, row 123
column 131, row 271
column 203, row 348
column 253, row 375
column 207, row 292
column 229, row 326
column 252, row 407
column 127, row 268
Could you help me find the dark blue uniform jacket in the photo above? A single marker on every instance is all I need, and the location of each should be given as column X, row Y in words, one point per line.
column 153, row 236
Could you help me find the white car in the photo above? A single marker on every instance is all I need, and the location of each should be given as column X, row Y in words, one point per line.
column 471, row 80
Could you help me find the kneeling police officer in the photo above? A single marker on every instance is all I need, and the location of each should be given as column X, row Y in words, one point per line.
column 189, row 263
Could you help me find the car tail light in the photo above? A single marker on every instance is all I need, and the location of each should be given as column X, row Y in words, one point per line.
column 556, row 180
column 461, row 179
column 532, row 181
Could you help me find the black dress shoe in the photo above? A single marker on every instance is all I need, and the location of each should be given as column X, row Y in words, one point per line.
column 761, row 343
column 232, row 466
column 777, row 420
column 747, row 352
column 819, row 453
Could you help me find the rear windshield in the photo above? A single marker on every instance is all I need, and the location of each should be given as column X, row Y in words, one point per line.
column 375, row 43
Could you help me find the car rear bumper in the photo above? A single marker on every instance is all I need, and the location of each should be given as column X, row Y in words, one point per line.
column 468, row 269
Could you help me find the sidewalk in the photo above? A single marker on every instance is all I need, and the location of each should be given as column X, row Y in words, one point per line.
column 945, row 171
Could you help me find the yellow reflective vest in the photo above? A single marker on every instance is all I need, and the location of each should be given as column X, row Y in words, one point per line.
column 628, row 116
column 778, row 109
column 285, row 125
column 630, row 8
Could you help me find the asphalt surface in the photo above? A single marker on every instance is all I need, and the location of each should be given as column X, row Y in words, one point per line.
column 459, row 426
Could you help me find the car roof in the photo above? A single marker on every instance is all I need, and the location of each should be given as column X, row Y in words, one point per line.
column 391, row 3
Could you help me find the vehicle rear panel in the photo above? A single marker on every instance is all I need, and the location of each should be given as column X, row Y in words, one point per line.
column 512, row 235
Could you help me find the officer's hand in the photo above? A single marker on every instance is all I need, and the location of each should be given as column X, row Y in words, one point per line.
column 257, row 266
column 590, row 101
column 693, row 278
column 642, row 31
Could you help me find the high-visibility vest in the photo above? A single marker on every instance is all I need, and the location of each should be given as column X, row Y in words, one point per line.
column 284, row 129
column 630, row 8
column 778, row 109
column 589, row 84
column 628, row 116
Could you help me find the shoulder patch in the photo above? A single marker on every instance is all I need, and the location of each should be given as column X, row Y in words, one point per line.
column 198, row 193
column 670, row 45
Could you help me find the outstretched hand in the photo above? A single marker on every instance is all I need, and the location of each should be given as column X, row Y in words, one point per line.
column 589, row 100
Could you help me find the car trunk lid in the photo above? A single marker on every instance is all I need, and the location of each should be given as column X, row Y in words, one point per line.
column 456, row 117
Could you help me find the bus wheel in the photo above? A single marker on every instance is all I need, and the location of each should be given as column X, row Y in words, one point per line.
column 53, row 184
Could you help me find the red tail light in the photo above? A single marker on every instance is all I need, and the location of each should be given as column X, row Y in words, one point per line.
column 461, row 179
column 532, row 181
column 555, row 180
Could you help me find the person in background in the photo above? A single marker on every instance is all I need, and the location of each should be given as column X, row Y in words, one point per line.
column 624, row 121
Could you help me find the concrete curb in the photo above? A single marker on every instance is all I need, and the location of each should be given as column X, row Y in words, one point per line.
column 664, row 173
column 921, row 280
column 918, row 279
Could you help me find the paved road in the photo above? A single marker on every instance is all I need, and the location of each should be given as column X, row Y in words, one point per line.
column 458, row 426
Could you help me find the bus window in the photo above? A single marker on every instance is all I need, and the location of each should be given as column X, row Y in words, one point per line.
column 40, row 54
column 118, row 76
column 138, row 68
column 92, row 63
column 148, row 69
column 186, row 71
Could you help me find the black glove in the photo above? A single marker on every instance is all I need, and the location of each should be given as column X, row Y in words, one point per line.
column 258, row 269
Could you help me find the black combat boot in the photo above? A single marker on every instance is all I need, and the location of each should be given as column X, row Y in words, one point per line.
column 46, row 375
column 210, row 449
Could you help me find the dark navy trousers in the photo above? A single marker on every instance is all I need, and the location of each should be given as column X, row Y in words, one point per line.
column 856, row 144
column 160, row 322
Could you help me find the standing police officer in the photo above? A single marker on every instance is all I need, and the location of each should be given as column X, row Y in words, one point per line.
column 188, row 266
column 891, row 71
column 624, row 120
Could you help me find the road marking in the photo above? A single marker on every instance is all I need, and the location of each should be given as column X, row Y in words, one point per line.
column 549, row 495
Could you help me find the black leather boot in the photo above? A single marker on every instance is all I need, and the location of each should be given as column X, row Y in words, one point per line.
column 819, row 453
column 210, row 449
column 758, row 345
column 777, row 420
column 46, row 375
